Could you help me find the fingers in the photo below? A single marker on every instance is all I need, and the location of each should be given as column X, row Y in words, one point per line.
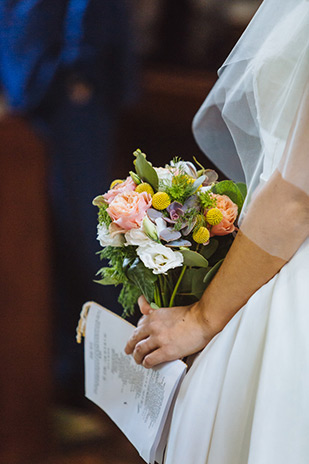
column 143, row 348
column 144, row 306
column 139, row 334
column 156, row 357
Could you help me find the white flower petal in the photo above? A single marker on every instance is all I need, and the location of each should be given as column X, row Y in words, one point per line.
column 159, row 258
column 137, row 237
column 109, row 236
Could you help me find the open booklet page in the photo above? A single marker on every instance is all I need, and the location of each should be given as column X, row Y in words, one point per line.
column 138, row 400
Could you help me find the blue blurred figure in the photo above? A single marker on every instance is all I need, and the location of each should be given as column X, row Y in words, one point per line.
column 68, row 66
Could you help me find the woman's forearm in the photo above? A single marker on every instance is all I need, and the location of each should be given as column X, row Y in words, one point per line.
column 278, row 221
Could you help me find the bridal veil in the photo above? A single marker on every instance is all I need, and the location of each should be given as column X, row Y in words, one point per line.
column 254, row 123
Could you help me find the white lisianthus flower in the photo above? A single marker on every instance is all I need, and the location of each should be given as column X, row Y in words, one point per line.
column 165, row 177
column 110, row 236
column 137, row 237
column 159, row 258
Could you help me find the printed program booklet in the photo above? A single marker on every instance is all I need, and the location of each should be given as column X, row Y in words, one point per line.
column 138, row 400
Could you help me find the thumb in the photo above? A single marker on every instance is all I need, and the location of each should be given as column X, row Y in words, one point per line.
column 144, row 306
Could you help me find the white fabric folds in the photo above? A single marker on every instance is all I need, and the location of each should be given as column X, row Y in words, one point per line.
column 245, row 400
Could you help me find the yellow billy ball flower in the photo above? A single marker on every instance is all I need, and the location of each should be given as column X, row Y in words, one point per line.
column 144, row 187
column 214, row 216
column 201, row 235
column 161, row 200
column 115, row 182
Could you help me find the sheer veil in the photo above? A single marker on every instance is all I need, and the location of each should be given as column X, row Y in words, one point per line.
column 254, row 123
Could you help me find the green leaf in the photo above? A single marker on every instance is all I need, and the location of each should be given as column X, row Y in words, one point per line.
column 229, row 188
column 197, row 183
column 211, row 274
column 243, row 188
column 192, row 258
column 128, row 298
column 154, row 306
column 208, row 250
column 192, row 285
column 143, row 278
column 108, row 280
column 145, row 171
column 127, row 263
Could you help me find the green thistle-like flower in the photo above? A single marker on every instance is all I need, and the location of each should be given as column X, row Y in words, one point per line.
column 207, row 200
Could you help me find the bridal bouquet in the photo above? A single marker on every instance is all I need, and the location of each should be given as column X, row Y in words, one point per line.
column 165, row 231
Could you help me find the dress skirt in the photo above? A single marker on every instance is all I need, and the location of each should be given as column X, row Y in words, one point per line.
column 245, row 400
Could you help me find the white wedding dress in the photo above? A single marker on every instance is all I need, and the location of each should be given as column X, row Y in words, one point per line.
column 245, row 400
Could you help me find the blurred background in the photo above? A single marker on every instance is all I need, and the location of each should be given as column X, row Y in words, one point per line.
column 83, row 83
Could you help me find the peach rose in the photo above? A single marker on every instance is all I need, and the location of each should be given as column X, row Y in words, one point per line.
column 229, row 211
column 128, row 209
column 127, row 186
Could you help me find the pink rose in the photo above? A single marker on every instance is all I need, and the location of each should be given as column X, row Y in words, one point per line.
column 128, row 209
column 127, row 186
column 229, row 211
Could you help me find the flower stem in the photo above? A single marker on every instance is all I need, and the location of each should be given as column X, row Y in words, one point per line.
column 157, row 295
column 176, row 286
column 163, row 288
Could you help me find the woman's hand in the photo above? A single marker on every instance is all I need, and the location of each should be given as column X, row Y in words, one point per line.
column 166, row 334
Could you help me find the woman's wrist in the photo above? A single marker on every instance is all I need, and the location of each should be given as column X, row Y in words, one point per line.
column 208, row 326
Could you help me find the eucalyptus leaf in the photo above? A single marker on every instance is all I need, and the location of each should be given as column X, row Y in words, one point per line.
column 143, row 278
column 192, row 258
column 208, row 250
column 179, row 243
column 211, row 274
column 198, row 284
column 192, row 285
column 145, row 171
column 197, row 183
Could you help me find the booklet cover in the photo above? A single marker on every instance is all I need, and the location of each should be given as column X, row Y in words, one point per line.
column 137, row 399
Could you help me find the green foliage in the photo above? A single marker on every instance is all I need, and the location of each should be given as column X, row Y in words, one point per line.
column 144, row 170
column 176, row 160
column 208, row 250
column 192, row 258
column 243, row 188
column 128, row 298
column 206, row 200
column 211, row 274
column 124, row 268
column 114, row 272
column 103, row 216
column 142, row 278
column 180, row 189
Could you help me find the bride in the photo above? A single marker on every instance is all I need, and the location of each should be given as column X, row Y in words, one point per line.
column 245, row 398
